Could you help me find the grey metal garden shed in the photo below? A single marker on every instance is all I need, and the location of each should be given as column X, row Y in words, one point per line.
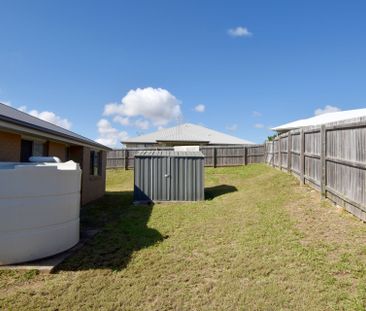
column 169, row 176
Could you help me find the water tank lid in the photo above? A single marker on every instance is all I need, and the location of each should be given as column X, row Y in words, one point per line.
column 45, row 160
column 187, row 148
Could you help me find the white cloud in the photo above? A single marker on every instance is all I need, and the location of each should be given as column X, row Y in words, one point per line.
column 256, row 114
column 142, row 124
column 156, row 105
column 239, row 32
column 258, row 125
column 121, row 120
column 326, row 109
column 200, row 108
column 48, row 116
column 232, row 127
column 109, row 135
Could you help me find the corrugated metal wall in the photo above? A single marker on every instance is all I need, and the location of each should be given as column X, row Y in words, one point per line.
column 169, row 178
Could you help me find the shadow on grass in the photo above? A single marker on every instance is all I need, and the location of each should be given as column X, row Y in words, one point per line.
column 216, row 191
column 124, row 231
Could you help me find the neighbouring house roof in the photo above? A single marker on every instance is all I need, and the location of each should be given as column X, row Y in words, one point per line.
column 322, row 119
column 10, row 115
column 188, row 133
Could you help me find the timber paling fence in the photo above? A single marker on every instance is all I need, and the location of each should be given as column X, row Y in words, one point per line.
column 331, row 158
column 215, row 156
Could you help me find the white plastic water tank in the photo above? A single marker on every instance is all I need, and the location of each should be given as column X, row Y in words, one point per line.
column 39, row 209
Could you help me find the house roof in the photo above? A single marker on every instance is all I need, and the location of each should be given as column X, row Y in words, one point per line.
column 188, row 133
column 322, row 119
column 14, row 116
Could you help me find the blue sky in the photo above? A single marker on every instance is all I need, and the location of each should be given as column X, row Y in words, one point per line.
column 289, row 58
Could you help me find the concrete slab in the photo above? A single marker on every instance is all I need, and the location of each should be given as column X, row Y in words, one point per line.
column 47, row 265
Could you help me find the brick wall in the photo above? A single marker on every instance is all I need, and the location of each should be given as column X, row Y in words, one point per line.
column 9, row 147
column 92, row 187
column 57, row 150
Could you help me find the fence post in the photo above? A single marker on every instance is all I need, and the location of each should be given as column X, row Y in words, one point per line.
column 302, row 156
column 323, row 142
column 214, row 157
column 272, row 154
column 289, row 155
column 126, row 159
column 245, row 159
column 279, row 153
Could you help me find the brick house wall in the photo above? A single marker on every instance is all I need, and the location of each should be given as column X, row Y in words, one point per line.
column 92, row 187
column 9, row 147
column 57, row 150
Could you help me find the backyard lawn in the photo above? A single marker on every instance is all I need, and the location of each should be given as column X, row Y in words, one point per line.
column 258, row 242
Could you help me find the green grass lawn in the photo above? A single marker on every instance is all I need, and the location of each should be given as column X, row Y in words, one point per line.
column 259, row 242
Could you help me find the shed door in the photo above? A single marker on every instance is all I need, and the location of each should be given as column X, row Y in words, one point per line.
column 165, row 194
column 186, row 179
column 180, row 181
column 159, row 188
column 176, row 179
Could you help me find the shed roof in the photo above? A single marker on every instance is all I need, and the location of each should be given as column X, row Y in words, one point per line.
column 322, row 119
column 172, row 154
column 15, row 116
column 188, row 133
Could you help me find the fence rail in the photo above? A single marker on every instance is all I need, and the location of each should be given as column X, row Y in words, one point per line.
column 330, row 158
column 215, row 156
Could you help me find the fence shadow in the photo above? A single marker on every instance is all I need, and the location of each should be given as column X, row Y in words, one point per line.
column 216, row 191
column 123, row 231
